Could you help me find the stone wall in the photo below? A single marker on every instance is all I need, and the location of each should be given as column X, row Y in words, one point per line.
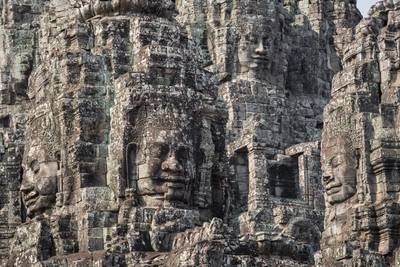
column 198, row 132
column 359, row 148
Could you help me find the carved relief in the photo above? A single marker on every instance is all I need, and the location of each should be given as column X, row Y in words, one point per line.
column 256, row 49
column 183, row 133
column 89, row 9
column 165, row 160
column 339, row 170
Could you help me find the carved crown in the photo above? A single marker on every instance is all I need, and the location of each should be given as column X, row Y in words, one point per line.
column 91, row 8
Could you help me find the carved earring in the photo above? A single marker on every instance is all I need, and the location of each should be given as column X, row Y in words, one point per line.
column 57, row 156
column 131, row 164
column 357, row 156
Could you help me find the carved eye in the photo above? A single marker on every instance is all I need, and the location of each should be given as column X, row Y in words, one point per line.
column 254, row 40
column 266, row 41
column 335, row 162
column 182, row 153
column 35, row 166
column 158, row 150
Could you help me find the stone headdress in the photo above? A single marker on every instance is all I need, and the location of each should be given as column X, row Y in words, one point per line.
column 341, row 122
column 42, row 130
column 43, row 133
column 91, row 8
column 170, row 108
column 254, row 12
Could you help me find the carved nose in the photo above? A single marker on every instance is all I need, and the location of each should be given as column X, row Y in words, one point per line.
column 26, row 188
column 326, row 177
column 171, row 165
column 260, row 49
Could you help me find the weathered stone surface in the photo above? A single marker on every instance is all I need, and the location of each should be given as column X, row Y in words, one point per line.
column 359, row 148
column 199, row 133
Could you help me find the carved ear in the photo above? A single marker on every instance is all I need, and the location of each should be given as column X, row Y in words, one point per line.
column 357, row 155
column 131, row 166
column 57, row 156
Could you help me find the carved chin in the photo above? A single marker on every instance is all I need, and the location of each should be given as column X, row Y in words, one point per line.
column 175, row 194
column 257, row 66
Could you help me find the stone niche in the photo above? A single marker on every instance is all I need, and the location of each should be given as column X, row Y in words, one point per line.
column 240, row 163
column 284, row 179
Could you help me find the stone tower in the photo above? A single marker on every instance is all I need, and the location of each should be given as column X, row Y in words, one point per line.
column 359, row 148
column 198, row 133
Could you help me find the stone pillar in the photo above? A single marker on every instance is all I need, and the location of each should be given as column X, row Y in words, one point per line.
column 258, row 178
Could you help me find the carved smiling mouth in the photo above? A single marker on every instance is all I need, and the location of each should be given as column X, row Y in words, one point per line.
column 333, row 188
column 30, row 203
column 260, row 57
column 30, row 198
column 173, row 179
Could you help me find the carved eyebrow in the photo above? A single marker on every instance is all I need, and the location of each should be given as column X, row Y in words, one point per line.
column 158, row 144
column 183, row 146
column 338, row 155
column 330, row 159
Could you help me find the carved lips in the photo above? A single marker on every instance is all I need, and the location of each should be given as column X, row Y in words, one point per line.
column 332, row 188
column 174, row 179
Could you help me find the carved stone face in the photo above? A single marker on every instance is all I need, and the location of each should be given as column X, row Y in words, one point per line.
column 39, row 184
column 255, row 49
column 165, row 166
column 338, row 171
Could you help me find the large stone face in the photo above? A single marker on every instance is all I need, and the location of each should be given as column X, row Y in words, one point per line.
column 198, row 132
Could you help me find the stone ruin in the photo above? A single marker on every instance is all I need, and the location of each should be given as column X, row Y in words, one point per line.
column 359, row 148
column 199, row 133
